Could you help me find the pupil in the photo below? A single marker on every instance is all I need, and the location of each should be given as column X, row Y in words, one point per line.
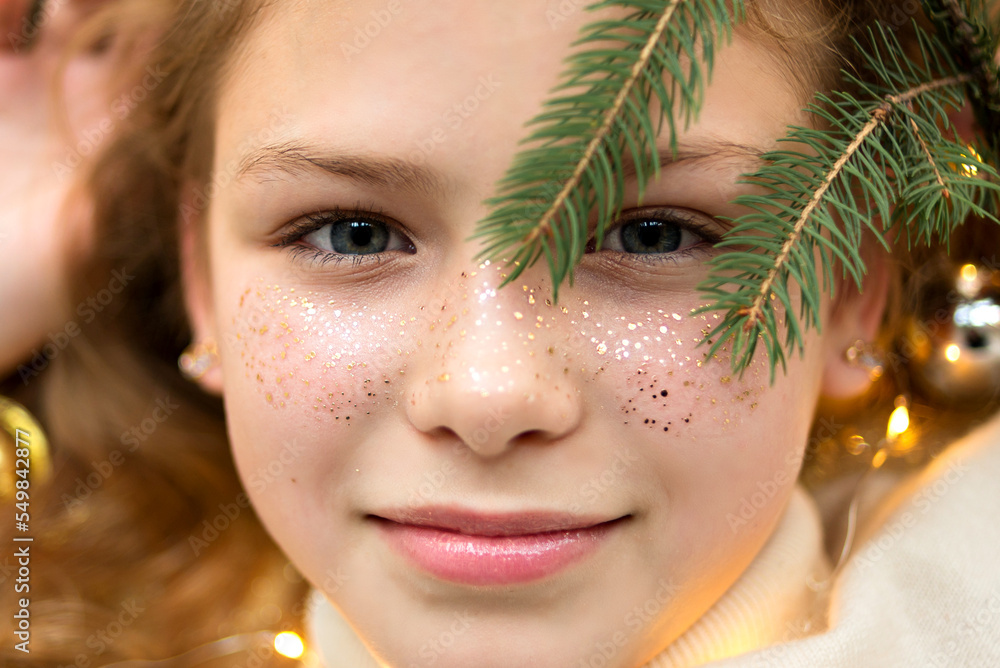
column 649, row 233
column 650, row 236
column 361, row 234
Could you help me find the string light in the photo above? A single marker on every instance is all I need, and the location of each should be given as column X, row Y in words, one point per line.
column 952, row 353
column 289, row 644
column 969, row 272
column 971, row 170
column 899, row 422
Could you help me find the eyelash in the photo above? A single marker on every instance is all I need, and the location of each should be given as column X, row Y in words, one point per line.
column 685, row 219
column 302, row 227
column 296, row 230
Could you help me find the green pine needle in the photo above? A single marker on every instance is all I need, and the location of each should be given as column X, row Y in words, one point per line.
column 877, row 161
column 599, row 118
column 873, row 163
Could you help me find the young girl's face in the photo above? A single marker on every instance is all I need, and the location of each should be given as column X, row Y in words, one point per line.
column 445, row 458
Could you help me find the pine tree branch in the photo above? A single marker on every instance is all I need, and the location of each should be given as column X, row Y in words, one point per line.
column 544, row 226
column 878, row 117
column 637, row 77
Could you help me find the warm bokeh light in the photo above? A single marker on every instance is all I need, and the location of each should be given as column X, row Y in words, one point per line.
column 289, row 644
column 971, row 170
column 952, row 353
column 899, row 422
column 969, row 272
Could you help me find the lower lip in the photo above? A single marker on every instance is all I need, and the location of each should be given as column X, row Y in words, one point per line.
column 492, row 560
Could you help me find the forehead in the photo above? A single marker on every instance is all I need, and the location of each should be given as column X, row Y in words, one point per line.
column 451, row 81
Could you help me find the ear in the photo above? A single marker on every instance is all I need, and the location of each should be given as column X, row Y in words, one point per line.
column 196, row 280
column 854, row 316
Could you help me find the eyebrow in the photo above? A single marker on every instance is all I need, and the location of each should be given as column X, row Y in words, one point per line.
column 379, row 171
column 703, row 151
column 396, row 174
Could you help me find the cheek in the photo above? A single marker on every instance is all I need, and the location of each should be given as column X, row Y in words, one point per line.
column 664, row 387
column 308, row 357
column 304, row 377
column 721, row 452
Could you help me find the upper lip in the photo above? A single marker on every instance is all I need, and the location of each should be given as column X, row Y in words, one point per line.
column 475, row 523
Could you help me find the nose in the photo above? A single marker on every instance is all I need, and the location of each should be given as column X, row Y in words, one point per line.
column 492, row 369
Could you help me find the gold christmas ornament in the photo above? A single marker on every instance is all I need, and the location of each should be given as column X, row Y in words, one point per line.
column 953, row 343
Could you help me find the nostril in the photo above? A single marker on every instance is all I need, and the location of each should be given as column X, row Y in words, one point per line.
column 531, row 435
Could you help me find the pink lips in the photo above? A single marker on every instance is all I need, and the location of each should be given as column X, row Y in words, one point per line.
column 477, row 549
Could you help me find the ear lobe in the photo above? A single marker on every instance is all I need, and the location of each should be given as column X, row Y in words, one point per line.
column 196, row 282
column 854, row 317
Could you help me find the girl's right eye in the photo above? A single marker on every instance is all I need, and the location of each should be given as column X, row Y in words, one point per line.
column 335, row 235
column 351, row 237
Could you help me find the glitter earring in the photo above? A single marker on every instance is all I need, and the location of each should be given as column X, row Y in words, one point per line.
column 198, row 358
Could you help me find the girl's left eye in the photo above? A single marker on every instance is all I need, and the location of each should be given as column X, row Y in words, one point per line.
column 657, row 232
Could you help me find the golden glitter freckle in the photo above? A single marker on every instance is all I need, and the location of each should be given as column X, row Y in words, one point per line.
column 518, row 315
column 443, row 378
column 531, row 299
column 725, row 380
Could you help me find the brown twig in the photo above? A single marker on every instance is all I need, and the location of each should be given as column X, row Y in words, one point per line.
column 544, row 225
column 878, row 116
column 930, row 159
